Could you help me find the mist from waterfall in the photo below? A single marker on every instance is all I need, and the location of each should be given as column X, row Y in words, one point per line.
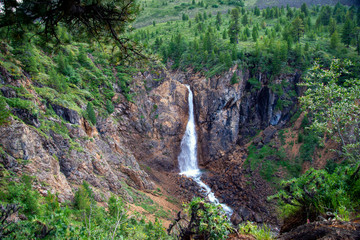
column 188, row 156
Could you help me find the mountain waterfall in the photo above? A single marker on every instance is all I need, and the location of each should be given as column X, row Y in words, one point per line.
column 188, row 157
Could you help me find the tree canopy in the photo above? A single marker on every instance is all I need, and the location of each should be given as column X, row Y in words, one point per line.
column 103, row 19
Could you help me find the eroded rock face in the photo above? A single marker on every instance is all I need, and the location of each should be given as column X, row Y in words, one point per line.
column 153, row 127
column 62, row 163
column 28, row 152
column 145, row 132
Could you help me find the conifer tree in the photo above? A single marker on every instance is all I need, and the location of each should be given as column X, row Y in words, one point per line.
column 224, row 35
column 347, row 32
column 245, row 19
column 256, row 11
column 334, row 41
column 304, row 9
column 234, row 27
column 218, row 19
column 332, row 26
column 255, row 34
column 91, row 113
column 297, row 28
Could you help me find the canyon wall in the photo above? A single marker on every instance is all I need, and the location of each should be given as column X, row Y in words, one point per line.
column 138, row 144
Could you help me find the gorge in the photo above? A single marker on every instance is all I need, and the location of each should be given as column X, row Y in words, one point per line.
column 175, row 111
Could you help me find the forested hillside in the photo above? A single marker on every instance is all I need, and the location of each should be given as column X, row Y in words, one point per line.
column 94, row 106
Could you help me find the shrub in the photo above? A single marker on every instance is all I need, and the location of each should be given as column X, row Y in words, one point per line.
column 260, row 233
column 318, row 191
column 207, row 221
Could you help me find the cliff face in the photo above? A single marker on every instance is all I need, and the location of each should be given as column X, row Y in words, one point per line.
column 139, row 143
column 63, row 152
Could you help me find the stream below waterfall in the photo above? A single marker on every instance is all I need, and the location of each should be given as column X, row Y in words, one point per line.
column 188, row 157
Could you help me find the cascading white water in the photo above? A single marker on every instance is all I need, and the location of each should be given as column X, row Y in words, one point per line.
column 188, row 156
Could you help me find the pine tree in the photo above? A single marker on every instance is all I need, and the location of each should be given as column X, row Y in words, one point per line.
column 247, row 32
column 256, row 11
column 224, row 35
column 245, row 19
column 297, row 28
column 218, row 19
column 347, row 32
column 234, row 27
column 332, row 26
column 255, row 34
column 304, row 9
column 91, row 113
column 334, row 41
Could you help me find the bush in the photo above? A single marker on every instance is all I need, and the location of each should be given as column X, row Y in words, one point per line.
column 318, row 191
column 207, row 221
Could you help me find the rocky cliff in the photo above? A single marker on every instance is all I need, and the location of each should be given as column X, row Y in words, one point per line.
column 138, row 144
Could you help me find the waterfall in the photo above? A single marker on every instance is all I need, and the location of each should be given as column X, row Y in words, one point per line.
column 188, row 156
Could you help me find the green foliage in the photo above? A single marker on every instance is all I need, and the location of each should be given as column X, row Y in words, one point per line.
column 4, row 112
column 234, row 79
column 331, row 101
column 22, row 104
column 109, row 106
column 91, row 113
column 347, row 32
column 234, row 27
column 260, row 233
column 50, row 20
column 207, row 220
column 21, row 194
column 335, row 39
column 318, row 191
column 267, row 161
column 83, row 197
column 47, row 218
